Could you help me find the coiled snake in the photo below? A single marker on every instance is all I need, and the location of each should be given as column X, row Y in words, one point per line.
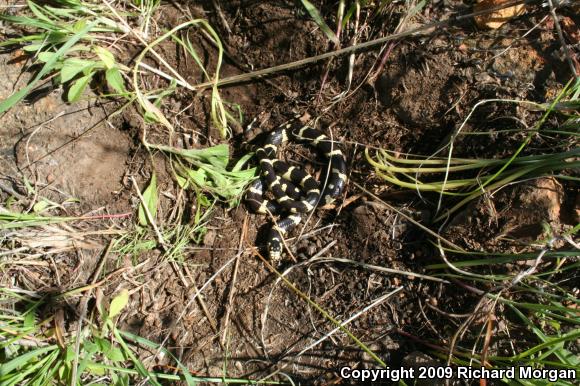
column 295, row 192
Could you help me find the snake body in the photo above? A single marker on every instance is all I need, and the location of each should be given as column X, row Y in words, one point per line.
column 295, row 192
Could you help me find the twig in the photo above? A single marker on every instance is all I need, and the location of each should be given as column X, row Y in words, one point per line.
column 565, row 47
column 377, row 268
column 204, row 308
column 229, row 306
column 350, row 49
column 407, row 217
column 375, row 303
column 188, row 304
column 83, row 312
column 221, row 16
column 325, row 314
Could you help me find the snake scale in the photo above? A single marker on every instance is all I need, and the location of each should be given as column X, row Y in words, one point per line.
column 295, row 192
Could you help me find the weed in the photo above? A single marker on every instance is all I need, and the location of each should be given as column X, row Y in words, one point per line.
column 488, row 175
column 37, row 354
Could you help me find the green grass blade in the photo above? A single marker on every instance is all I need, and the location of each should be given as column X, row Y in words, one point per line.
column 8, row 367
column 315, row 15
column 48, row 67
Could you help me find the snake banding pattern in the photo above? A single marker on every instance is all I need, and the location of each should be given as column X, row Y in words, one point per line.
column 295, row 192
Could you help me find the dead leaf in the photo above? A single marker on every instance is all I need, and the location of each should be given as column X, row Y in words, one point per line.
column 496, row 19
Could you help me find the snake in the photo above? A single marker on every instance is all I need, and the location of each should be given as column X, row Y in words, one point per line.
column 294, row 191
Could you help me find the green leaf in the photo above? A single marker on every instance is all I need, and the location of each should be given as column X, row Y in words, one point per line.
column 136, row 362
column 57, row 37
column 115, row 80
column 241, row 162
column 220, row 152
column 115, row 354
column 46, row 56
column 30, row 319
column 123, row 380
column 73, row 66
column 40, row 206
column 99, row 371
column 49, row 66
column 79, row 25
column 118, row 303
column 320, row 21
column 70, row 354
column 33, row 47
column 103, row 344
column 106, row 56
column 182, row 182
column 90, row 347
column 77, row 88
column 38, row 12
column 202, row 200
column 149, row 199
column 199, row 177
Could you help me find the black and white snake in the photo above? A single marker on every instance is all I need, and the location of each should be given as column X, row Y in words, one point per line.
column 295, row 192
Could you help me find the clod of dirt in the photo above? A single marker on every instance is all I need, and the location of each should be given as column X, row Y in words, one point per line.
column 517, row 212
column 571, row 30
column 496, row 19
column 518, row 63
column 405, row 92
column 546, row 196
column 376, row 230
column 67, row 146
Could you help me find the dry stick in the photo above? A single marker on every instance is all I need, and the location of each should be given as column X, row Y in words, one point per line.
column 347, row 50
column 323, row 250
column 193, row 298
column 229, row 306
column 465, row 325
column 516, row 40
column 70, row 141
column 165, row 248
column 221, row 16
column 375, row 303
column 324, row 313
column 27, row 144
column 389, row 49
column 377, row 268
column 336, row 44
column 409, row 218
column 83, row 311
column 243, row 67
column 351, row 58
column 204, row 308
column 565, row 47
column 487, row 341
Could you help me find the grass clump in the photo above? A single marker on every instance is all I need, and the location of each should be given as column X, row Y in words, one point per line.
column 526, row 313
column 79, row 44
column 435, row 173
column 74, row 43
column 67, row 41
column 38, row 350
column 525, row 318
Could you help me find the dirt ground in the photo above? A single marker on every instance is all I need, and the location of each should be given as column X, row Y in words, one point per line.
column 412, row 104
